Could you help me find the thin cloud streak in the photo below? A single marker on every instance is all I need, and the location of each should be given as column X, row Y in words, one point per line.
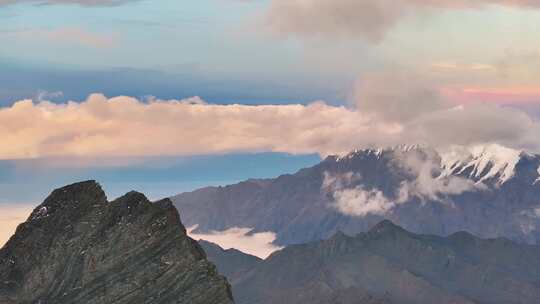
column 76, row 2
column 68, row 36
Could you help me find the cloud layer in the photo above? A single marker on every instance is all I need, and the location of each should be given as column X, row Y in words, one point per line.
column 125, row 126
column 362, row 18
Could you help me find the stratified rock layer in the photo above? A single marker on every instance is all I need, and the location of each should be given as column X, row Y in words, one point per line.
column 77, row 247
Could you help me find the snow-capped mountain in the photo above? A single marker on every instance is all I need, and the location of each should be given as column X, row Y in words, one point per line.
column 488, row 190
column 483, row 163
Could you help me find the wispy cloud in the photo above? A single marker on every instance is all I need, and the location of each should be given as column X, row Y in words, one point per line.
column 68, row 36
column 365, row 19
column 426, row 184
column 76, row 2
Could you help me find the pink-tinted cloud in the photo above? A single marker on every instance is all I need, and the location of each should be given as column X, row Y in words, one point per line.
column 503, row 96
column 389, row 114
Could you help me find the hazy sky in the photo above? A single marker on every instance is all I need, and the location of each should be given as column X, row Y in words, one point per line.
column 262, row 51
column 98, row 84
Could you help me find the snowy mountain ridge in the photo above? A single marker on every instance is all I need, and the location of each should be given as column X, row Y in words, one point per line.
column 481, row 163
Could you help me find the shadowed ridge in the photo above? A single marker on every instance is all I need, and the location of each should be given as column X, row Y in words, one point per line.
column 339, row 235
column 387, row 227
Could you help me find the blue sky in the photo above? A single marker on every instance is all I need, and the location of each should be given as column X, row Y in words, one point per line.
column 377, row 83
column 29, row 181
column 162, row 48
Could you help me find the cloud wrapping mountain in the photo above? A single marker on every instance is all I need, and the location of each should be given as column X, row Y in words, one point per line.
column 488, row 190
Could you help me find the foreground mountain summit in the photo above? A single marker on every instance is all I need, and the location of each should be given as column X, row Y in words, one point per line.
column 387, row 265
column 490, row 191
column 78, row 248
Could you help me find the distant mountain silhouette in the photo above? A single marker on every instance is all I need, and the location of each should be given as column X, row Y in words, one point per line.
column 490, row 191
column 388, row 264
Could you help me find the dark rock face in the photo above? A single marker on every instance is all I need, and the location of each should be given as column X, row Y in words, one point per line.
column 78, row 248
column 391, row 265
column 503, row 199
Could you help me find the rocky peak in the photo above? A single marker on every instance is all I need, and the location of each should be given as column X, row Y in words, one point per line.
column 70, row 201
column 78, row 248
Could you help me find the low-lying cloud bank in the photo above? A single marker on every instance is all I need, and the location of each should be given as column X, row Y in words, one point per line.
column 366, row 19
column 257, row 244
column 382, row 115
column 11, row 215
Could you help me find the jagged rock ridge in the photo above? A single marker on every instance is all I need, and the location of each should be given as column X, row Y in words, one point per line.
column 77, row 247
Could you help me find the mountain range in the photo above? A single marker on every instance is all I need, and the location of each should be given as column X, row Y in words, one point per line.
column 387, row 265
column 76, row 247
column 489, row 190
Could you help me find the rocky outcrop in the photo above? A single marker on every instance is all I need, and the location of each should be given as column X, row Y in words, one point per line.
column 76, row 247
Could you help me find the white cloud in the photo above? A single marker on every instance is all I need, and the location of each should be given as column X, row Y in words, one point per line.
column 11, row 215
column 428, row 183
column 360, row 202
column 354, row 200
column 257, row 244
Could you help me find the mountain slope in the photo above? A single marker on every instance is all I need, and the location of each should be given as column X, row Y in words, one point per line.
column 78, row 248
column 232, row 263
column 490, row 191
column 398, row 266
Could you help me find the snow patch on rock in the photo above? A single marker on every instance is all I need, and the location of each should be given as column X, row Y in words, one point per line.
column 483, row 162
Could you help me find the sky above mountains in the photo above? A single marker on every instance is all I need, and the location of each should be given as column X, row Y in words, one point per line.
column 265, row 51
column 98, row 84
